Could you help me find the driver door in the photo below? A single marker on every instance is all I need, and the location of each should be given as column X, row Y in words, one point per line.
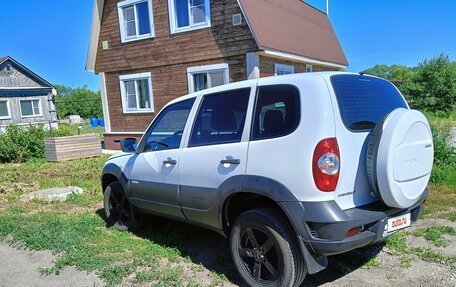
column 154, row 173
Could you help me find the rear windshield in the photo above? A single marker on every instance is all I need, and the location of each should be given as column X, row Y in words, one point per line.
column 364, row 101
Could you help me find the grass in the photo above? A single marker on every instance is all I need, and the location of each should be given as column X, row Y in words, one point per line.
column 449, row 216
column 442, row 121
column 435, row 233
column 371, row 263
column 76, row 232
column 397, row 243
column 85, row 129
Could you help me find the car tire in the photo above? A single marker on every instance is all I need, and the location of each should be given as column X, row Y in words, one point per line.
column 117, row 208
column 265, row 251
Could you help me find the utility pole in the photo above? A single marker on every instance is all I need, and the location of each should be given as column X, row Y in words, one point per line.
column 327, row 8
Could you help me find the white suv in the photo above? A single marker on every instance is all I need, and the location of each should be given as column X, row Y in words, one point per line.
column 291, row 169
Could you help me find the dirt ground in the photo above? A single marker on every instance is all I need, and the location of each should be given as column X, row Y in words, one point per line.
column 21, row 267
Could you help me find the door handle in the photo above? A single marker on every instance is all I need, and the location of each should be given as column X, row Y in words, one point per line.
column 170, row 161
column 230, row 161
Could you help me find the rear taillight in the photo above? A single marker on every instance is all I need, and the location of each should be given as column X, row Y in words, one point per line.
column 326, row 164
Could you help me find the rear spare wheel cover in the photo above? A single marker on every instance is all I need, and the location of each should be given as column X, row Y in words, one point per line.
column 400, row 157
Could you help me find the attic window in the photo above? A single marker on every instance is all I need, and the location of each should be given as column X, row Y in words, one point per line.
column 187, row 15
column 8, row 67
column 237, row 19
column 135, row 20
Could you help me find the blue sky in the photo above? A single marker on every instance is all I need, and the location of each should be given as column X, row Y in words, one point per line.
column 51, row 37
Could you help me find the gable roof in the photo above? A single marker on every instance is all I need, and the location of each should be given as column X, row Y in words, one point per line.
column 29, row 73
column 286, row 26
column 293, row 27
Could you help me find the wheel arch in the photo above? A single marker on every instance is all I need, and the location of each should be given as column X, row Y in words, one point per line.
column 256, row 192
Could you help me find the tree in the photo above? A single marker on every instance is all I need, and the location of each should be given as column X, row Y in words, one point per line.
column 431, row 86
column 79, row 101
column 435, row 88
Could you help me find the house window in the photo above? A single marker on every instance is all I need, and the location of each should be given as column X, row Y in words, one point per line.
column 30, row 108
column 136, row 92
column 204, row 77
column 135, row 20
column 309, row 68
column 4, row 110
column 186, row 15
column 281, row 69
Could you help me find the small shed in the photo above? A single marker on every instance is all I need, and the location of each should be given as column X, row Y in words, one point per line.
column 25, row 97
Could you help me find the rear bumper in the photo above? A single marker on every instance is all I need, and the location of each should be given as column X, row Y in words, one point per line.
column 321, row 226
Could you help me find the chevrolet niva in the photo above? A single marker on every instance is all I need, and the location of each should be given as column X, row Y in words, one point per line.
column 291, row 169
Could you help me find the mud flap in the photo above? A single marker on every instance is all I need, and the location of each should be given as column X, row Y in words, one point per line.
column 314, row 263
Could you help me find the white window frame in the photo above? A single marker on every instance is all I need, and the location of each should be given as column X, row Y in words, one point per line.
column 123, row 92
column 208, row 68
column 283, row 67
column 8, row 109
column 309, row 68
column 123, row 36
column 33, row 108
column 173, row 18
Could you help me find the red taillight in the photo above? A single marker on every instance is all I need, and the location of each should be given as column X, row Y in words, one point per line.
column 353, row 232
column 326, row 164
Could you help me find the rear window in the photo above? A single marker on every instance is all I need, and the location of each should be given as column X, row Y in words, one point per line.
column 364, row 101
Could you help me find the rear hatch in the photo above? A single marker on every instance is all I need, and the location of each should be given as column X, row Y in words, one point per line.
column 359, row 103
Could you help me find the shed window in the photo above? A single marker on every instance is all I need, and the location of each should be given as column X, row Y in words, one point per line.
column 281, row 69
column 30, row 108
column 4, row 110
column 188, row 15
column 136, row 91
column 135, row 20
column 204, row 77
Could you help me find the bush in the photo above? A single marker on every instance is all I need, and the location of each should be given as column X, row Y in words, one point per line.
column 444, row 156
column 20, row 144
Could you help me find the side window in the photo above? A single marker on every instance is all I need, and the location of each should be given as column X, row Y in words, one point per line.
column 221, row 118
column 166, row 131
column 277, row 112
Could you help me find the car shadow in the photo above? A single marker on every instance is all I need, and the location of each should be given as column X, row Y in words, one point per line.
column 211, row 250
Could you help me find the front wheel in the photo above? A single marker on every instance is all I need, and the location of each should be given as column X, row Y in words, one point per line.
column 264, row 250
column 118, row 210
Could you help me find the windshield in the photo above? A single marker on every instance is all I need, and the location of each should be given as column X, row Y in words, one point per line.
column 364, row 101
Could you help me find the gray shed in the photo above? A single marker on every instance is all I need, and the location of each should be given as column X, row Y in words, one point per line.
column 25, row 97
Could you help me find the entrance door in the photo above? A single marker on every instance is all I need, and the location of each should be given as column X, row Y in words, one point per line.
column 154, row 173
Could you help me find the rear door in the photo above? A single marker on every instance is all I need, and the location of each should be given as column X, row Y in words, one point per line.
column 359, row 102
column 215, row 159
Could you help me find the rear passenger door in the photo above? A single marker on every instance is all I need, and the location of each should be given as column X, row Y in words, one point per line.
column 216, row 155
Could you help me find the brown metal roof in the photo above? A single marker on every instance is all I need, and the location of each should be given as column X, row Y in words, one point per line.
column 293, row 27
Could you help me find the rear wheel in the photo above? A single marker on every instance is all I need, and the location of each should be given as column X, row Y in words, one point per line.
column 118, row 210
column 265, row 251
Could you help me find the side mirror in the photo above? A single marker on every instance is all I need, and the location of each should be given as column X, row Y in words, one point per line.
column 128, row 145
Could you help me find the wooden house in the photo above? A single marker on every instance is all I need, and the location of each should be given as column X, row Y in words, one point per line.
column 148, row 52
column 25, row 97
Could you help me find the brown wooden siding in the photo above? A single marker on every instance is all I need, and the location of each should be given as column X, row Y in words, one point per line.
column 222, row 40
column 168, row 83
column 267, row 66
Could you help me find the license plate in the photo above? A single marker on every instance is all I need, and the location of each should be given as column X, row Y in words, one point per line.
column 399, row 222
